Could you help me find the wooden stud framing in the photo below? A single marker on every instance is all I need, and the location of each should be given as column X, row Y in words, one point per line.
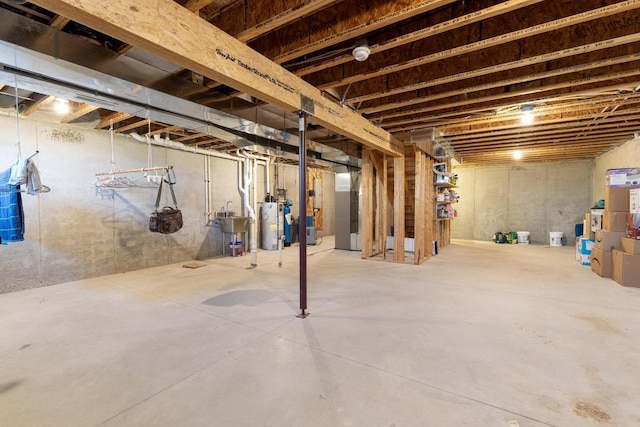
column 398, row 209
column 367, row 204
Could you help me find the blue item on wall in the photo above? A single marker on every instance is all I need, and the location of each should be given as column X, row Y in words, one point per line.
column 309, row 220
column 579, row 229
column 286, row 211
column 11, row 212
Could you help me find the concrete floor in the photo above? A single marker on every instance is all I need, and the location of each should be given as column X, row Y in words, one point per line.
column 481, row 335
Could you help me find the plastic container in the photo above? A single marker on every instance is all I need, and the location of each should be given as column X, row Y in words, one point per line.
column 523, row 237
column 555, row 238
column 236, row 249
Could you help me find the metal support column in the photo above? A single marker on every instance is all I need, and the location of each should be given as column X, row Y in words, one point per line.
column 302, row 221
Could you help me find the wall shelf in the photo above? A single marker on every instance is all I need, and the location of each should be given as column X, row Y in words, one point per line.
column 444, row 185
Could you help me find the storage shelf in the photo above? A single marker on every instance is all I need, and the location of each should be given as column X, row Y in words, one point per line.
column 445, row 203
column 444, row 185
column 444, row 219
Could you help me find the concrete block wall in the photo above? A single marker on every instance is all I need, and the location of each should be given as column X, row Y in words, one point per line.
column 79, row 231
column 534, row 197
column 625, row 156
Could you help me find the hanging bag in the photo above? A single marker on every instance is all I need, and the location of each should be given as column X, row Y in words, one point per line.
column 168, row 220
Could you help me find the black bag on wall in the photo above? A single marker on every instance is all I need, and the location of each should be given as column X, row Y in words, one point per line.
column 168, row 220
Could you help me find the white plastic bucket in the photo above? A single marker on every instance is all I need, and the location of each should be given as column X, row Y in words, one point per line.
column 523, row 237
column 555, row 238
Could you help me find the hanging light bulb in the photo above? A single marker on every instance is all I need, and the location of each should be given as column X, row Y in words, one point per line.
column 517, row 155
column 61, row 106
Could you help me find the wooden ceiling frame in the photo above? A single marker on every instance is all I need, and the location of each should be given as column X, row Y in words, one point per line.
column 502, row 39
column 532, row 134
column 79, row 111
column 396, row 42
column 113, row 118
column 414, row 100
column 40, row 102
column 538, row 91
column 578, row 110
column 487, row 108
column 225, row 59
column 367, row 25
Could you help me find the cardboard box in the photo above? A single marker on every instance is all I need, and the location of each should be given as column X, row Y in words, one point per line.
column 630, row 246
column 585, row 246
column 596, row 219
column 633, row 226
column 626, row 268
column 608, row 240
column 625, row 177
column 614, row 221
column 602, row 262
column 616, row 199
column 584, row 259
column 634, row 201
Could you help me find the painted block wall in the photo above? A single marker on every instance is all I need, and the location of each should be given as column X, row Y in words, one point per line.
column 625, row 156
column 79, row 231
column 534, row 197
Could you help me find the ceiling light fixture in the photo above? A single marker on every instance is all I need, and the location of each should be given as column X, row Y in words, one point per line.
column 61, row 106
column 517, row 155
column 361, row 51
column 527, row 115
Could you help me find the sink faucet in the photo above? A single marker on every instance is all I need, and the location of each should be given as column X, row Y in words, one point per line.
column 229, row 203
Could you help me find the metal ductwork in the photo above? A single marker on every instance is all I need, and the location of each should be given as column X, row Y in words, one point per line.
column 38, row 58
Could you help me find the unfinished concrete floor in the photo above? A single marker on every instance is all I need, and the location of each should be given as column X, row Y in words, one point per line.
column 481, row 335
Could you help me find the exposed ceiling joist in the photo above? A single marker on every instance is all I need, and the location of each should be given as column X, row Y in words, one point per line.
column 225, row 59
column 487, row 43
column 423, row 33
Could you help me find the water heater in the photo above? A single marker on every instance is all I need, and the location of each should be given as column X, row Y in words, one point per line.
column 272, row 225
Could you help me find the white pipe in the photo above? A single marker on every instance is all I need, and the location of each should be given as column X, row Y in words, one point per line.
column 207, row 191
column 167, row 143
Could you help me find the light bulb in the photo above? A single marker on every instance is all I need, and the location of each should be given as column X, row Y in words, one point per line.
column 61, row 106
column 517, row 155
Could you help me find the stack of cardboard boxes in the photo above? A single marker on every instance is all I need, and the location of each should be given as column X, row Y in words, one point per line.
column 616, row 250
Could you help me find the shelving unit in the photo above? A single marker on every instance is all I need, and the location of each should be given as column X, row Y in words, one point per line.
column 442, row 225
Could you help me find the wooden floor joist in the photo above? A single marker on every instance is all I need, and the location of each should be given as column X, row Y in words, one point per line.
column 491, row 42
column 491, row 11
column 144, row 24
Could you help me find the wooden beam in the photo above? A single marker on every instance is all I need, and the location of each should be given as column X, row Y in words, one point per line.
column 367, row 204
column 568, row 114
column 419, row 213
column 352, row 32
column 196, row 5
column 502, row 83
column 549, row 98
column 59, row 22
column 130, row 126
column 38, row 104
column 115, row 117
column 386, row 208
column 163, row 130
column 81, row 110
column 283, row 18
column 574, row 131
column 144, row 24
column 561, row 109
column 423, row 33
column 557, row 24
column 192, row 136
column 535, row 91
column 398, row 209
